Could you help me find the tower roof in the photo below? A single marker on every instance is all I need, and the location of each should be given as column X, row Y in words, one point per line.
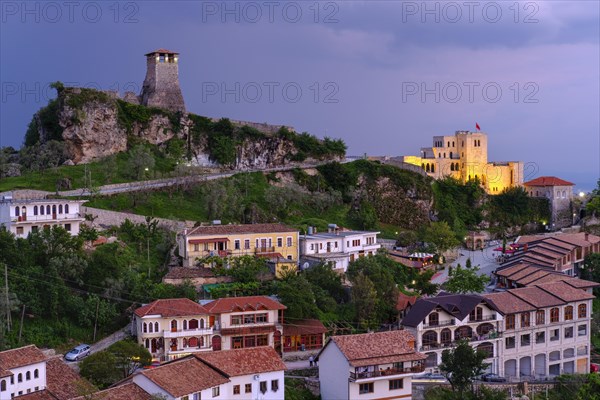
column 548, row 181
column 161, row 51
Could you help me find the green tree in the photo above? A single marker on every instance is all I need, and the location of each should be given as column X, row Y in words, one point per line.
column 421, row 282
column 324, row 277
column 576, row 387
column 100, row 369
column 364, row 299
column 591, row 269
column 140, row 160
column 466, row 280
column 129, row 356
column 461, row 365
column 440, row 235
column 297, row 295
column 365, row 216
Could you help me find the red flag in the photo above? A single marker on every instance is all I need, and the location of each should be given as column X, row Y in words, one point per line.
column 477, row 126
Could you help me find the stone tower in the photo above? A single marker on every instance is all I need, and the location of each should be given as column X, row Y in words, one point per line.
column 161, row 86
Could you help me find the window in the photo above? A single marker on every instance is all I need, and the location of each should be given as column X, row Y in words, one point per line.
column 262, row 340
column 582, row 330
column 279, row 242
column 248, row 388
column 540, row 317
column 236, row 389
column 28, row 376
column 156, row 327
column 216, row 391
column 20, row 378
column 236, row 320
column 540, row 337
column 34, row 229
column 263, row 387
column 66, row 208
column 249, row 341
column 525, row 340
column 196, row 396
column 35, row 210
column 246, row 244
column 569, row 332
column 236, row 244
column 396, row 384
column 3, row 385
column 510, row 321
column 510, row 342
column 48, row 209
column 19, row 230
column 42, row 210
column 275, row 385
column 554, row 314
column 568, row 313
column 289, row 241
column 262, row 318
column 68, row 227
column 249, row 319
column 238, row 342
column 554, row 335
column 364, row 388
column 434, row 319
column 524, row 320
column 582, row 311
column 185, row 398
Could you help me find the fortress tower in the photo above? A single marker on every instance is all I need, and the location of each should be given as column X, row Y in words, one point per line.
column 161, row 86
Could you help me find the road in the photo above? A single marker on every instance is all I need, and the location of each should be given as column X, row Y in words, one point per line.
column 484, row 259
column 103, row 345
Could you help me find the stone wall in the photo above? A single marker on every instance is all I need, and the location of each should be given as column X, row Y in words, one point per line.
column 106, row 218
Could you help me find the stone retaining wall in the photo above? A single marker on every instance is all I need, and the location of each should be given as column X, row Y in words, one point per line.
column 115, row 218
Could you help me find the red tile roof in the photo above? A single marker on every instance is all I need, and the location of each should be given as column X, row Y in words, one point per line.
column 377, row 348
column 566, row 292
column 62, row 381
column 181, row 377
column 249, row 361
column 20, row 357
column 162, row 51
column 404, row 301
column 536, row 297
column 39, row 395
column 171, row 308
column 548, row 181
column 126, row 391
column 303, row 327
column 239, row 304
column 239, row 229
column 508, row 303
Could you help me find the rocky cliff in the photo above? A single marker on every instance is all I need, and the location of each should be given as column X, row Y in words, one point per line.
column 95, row 124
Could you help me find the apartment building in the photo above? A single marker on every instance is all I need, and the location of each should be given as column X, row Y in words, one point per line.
column 275, row 242
column 337, row 247
column 369, row 366
column 22, row 216
column 174, row 328
column 438, row 323
column 546, row 330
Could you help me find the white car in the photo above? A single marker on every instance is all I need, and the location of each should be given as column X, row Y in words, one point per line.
column 83, row 350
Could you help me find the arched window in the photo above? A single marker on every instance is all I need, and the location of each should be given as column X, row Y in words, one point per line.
column 463, row 332
column 35, row 210
column 150, row 327
column 174, row 325
column 36, row 373
column 426, row 169
column 185, row 325
column 28, row 375
column 145, row 328
column 450, row 154
column 60, row 208
column 448, row 144
column 451, row 166
column 66, row 208
column 17, row 211
column 430, row 338
column 41, row 210
column 20, row 378
column 147, row 343
column 423, row 165
column 3, row 385
column 446, row 336
column 432, row 168
column 23, row 211
column 193, row 323
column 156, row 327
column 456, row 167
column 48, row 209
column 568, row 313
column 554, row 314
column 54, row 209
column 193, row 342
column 201, row 324
column 582, row 311
column 201, row 344
column 434, row 319
column 185, row 342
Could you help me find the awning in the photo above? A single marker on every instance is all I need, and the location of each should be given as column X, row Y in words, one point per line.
column 211, row 240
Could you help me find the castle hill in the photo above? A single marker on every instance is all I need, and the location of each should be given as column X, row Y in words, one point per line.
column 304, row 201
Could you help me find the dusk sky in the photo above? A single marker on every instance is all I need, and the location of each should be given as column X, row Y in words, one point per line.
column 383, row 76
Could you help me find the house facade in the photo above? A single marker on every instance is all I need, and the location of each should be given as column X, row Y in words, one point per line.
column 24, row 216
column 438, row 323
column 369, row 366
column 338, row 247
column 546, row 330
column 174, row 328
column 22, row 371
column 303, row 335
column 275, row 242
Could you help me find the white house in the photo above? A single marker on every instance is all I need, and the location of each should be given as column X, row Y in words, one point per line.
column 369, row 366
column 23, row 216
column 338, row 247
column 244, row 374
column 22, row 371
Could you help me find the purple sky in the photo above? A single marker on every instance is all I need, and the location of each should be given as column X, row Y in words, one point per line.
column 362, row 68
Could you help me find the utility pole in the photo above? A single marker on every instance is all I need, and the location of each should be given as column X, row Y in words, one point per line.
column 21, row 326
column 8, row 322
column 96, row 319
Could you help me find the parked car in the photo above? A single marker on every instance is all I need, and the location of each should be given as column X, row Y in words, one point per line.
column 430, row 376
column 492, row 378
column 77, row 353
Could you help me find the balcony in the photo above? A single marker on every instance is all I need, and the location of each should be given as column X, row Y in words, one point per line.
column 354, row 376
column 267, row 249
column 474, row 338
column 168, row 334
column 44, row 218
column 439, row 323
column 486, row 318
